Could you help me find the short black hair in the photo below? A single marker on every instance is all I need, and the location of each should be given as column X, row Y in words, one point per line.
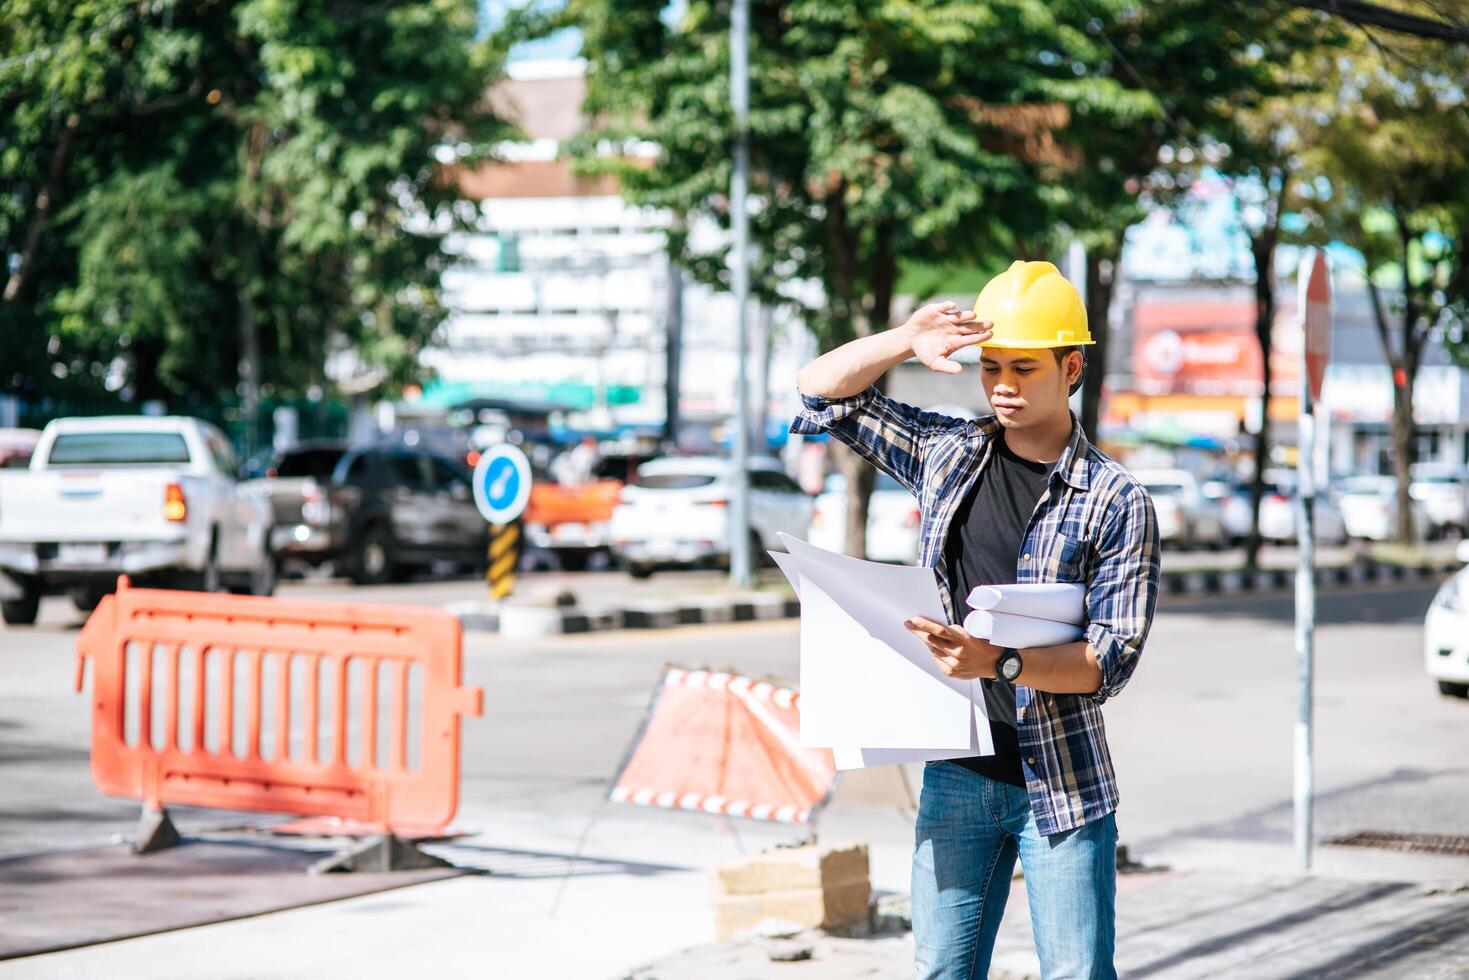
column 1061, row 352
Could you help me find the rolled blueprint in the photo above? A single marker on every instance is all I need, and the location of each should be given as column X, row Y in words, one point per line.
column 1020, row 632
column 1060, row 602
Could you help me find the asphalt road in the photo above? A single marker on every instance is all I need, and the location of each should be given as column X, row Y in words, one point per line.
column 1202, row 737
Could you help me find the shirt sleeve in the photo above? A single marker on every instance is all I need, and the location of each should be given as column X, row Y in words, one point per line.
column 1122, row 591
column 888, row 434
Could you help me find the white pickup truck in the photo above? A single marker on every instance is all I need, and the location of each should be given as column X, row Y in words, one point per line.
column 156, row 499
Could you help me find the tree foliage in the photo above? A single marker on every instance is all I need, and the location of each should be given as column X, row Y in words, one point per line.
column 181, row 181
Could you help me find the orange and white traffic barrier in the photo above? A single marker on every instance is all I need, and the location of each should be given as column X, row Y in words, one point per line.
column 310, row 708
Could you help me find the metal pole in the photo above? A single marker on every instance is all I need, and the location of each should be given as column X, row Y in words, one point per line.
column 1305, row 619
column 739, row 93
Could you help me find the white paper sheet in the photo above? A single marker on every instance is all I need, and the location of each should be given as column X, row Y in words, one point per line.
column 1009, row 630
column 787, row 565
column 1060, row 602
column 859, row 688
column 872, row 598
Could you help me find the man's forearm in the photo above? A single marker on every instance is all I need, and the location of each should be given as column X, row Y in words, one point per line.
column 1070, row 668
column 853, row 366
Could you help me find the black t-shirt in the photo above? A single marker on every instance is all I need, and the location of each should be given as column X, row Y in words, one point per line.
column 984, row 543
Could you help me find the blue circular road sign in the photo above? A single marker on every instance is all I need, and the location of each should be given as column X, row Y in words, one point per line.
column 502, row 484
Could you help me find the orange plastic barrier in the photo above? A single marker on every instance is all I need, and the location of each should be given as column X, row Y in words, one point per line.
column 310, row 708
column 721, row 743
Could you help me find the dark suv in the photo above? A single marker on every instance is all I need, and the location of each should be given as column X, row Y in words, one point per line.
column 391, row 509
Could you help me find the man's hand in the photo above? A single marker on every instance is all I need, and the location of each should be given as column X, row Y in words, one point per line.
column 958, row 654
column 938, row 329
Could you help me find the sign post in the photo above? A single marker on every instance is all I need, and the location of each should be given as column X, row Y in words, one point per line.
column 501, row 483
column 1315, row 306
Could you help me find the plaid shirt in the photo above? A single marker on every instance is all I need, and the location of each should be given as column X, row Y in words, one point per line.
column 1093, row 524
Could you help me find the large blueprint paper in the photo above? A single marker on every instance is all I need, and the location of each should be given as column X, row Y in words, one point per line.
column 867, row 681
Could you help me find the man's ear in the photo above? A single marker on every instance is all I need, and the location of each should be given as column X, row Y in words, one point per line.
column 1079, row 362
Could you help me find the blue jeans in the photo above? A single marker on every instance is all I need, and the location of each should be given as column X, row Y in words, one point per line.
column 970, row 830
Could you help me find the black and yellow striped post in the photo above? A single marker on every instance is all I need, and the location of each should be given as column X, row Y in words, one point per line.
column 504, row 558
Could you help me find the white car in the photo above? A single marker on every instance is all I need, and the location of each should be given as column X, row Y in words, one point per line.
column 1278, row 513
column 157, row 499
column 1369, row 506
column 1440, row 492
column 893, row 520
column 677, row 512
column 1446, row 632
column 1186, row 516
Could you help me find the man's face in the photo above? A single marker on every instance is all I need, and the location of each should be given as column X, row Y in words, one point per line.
column 1027, row 387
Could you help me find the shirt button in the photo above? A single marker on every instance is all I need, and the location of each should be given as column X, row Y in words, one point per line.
column 1030, row 759
column 1027, row 557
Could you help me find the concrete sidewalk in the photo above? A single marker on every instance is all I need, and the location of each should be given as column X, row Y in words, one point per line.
column 642, row 893
column 1174, row 925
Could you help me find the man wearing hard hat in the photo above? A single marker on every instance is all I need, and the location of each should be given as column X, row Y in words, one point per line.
column 1017, row 496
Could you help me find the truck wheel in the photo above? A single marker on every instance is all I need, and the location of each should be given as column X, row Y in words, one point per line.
column 206, row 579
column 1448, row 688
column 22, row 611
column 640, row 570
column 87, row 599
column 262, row 578
column 372, row 558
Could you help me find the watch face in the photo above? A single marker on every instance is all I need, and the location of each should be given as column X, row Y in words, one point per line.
column 1010, row 666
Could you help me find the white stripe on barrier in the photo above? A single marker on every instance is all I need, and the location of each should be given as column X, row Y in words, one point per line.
column 620, row 794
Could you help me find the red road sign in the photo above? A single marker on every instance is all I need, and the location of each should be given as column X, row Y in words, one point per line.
column 1316, row 301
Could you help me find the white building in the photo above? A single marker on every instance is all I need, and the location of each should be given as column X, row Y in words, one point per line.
column 563, row 294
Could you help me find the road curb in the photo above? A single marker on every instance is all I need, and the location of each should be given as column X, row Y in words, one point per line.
column 519, row 620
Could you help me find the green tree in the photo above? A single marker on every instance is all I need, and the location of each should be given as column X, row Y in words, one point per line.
column 1395, row 155
column 215, row 199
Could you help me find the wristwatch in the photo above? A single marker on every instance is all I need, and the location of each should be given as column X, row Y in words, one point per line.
column 1009, row 666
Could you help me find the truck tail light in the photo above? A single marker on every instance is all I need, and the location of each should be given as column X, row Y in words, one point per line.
column 315, row 508
column 175, row 506
column 717, row 503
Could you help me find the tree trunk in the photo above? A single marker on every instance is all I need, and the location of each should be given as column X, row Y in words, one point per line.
column 1262, row 248
column 249, row 373
column 1404, row 446
column 1101, row 265
column 861, row 477
column 868, row 319
column 21, row 278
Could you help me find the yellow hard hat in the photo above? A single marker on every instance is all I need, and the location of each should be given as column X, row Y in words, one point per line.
column 1031, row 305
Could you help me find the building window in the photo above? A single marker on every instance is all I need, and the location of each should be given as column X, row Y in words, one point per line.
column 508, row 258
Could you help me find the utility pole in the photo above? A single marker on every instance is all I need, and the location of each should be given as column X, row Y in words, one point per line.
column 739, row 94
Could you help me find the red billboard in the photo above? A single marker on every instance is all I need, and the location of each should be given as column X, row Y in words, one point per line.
column 1204, row 344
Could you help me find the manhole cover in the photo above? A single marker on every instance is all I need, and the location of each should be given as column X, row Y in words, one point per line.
column 1417, row 843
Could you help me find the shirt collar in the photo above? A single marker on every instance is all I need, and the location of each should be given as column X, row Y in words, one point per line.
column 1071, row 467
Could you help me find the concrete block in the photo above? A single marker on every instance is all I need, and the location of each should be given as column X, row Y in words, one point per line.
column 791, row 868
column 713, row 609
column 817, row 908
column 651, row 616
column 520, row 622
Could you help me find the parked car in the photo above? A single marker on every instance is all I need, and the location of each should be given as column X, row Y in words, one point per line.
column 893, row 519
column 392, row 509
column 1277, row 511
column 677, row 512
column 1446, row 632
column 1186, row 517
column 156, row 499
column 572, row 522
column 1369, row 505
column 295, row 482
column 1440, row 491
